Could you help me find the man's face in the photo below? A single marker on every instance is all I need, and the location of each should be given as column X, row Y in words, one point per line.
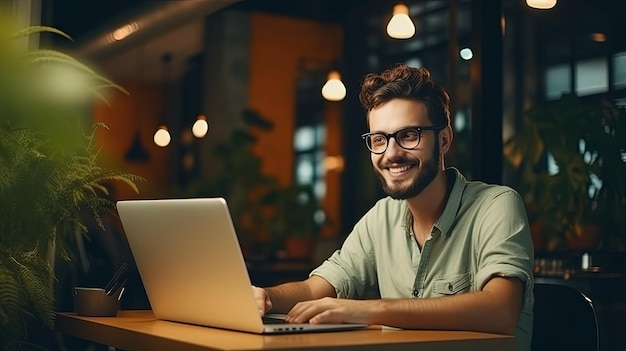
column 404, row 173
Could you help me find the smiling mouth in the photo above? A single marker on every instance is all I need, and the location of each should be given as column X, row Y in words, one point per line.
column 396, row 170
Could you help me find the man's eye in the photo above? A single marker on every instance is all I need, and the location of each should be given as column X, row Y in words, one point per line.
column 409, row 135
column 378, row 139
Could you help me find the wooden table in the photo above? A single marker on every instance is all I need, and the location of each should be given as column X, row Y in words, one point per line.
column 141, row 331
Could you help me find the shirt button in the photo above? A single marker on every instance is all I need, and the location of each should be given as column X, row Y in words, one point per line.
column 416, row 293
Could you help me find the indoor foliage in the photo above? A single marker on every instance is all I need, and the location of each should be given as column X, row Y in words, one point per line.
column 49, row 177
column 582, row 200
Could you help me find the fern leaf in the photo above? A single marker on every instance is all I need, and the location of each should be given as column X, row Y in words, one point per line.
column 13, row 302
column 38, row 29
column 47, row 55
column 37, row 279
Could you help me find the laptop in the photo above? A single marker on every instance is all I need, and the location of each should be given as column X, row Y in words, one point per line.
column 192, row 268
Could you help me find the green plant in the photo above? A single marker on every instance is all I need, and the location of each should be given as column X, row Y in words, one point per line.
column 49, row 177
column 296, row 210
column 587, row 141
column 237, row 175
column 264, row 212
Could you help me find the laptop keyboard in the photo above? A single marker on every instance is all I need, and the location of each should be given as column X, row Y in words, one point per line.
column 271, row 320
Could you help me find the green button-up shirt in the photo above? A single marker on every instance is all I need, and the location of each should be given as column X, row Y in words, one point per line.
column 483, row 232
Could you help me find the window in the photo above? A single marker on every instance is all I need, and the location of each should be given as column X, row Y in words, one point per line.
column 309, row 142
column 558, row 81
column 619, row 73
column 592, row 77
column 309, row 139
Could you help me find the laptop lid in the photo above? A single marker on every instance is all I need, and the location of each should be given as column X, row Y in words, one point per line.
column 190, row 262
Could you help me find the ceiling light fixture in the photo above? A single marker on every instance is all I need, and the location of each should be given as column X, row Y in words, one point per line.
column 124, row 31
column 162, row 136
column 400, row 26
column 598, row 37
column 200, row 127
column 541, row 4
column 334, row 90
column 136, row 152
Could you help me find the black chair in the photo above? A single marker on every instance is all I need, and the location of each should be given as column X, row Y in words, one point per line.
column 565, row 319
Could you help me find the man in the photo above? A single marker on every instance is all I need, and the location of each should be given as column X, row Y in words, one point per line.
column 440, row 252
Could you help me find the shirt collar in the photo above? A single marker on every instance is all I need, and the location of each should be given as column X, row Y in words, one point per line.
column 453, row 204
column 445, row 221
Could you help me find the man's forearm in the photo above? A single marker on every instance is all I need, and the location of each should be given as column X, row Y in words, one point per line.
column 485, row 311
column 285, row 296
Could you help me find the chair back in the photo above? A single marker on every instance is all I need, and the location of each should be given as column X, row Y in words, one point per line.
column 564, row 319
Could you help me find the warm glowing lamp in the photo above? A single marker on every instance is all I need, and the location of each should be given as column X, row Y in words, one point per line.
column 400, row 26
column 200, row 127
column 124, row 31
column 541, row 4
column 162, row 136
column 334, row 90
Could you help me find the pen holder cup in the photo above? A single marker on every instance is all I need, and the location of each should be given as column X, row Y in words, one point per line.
column 95, row 302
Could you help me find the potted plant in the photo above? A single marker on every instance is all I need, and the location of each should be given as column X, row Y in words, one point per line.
column 48, row 178
column 297, row 219
column 579, row 204
column 237, row 176
column 267, row 216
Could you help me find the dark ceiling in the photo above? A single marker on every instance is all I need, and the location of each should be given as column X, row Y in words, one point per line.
column 78, row 17
column 90, row 23
column 567, row 22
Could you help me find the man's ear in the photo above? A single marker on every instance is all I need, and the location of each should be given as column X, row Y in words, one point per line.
column 445, row 139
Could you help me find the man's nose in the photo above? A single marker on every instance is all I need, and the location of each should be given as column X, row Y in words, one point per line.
column 393, row 147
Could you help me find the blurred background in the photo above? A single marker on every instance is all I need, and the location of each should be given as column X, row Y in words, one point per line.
column 236, row 88
column 216, row 59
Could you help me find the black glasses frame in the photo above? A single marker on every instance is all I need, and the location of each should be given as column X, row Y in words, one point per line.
column 394, row 135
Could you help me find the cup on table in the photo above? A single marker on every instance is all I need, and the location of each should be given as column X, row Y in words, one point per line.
column 95, row 302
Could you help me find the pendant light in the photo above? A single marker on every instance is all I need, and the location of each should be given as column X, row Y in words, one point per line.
column 162, row 136
column 136, row 152
column 400, row 26
column 541, row 4
column 200, row 127
column 334, row 90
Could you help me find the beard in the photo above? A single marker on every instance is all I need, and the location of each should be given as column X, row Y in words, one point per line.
column 423, row 178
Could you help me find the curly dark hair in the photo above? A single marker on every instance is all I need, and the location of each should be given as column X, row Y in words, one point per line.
column 402, row 81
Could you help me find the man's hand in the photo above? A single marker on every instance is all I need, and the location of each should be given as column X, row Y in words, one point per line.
column 262, row 299
column 330, row 310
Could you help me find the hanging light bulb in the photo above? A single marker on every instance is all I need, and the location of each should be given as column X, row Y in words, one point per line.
column 541, row 4
column 200, row 127
column 400, row 26
column 334, row 90
column 162, row 136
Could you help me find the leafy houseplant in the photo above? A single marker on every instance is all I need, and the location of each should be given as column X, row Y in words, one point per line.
column 237, row 176
column 264, row 212
column 49, row 177
column 295, row 219
column 586, row 196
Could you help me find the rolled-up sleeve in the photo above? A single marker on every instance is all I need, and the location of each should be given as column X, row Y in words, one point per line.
column 505, row 245
column 351, row 270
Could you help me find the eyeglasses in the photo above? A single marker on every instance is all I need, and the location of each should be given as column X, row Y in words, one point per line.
column 407, row 138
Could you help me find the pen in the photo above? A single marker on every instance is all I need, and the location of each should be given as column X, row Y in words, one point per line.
column 114, row 282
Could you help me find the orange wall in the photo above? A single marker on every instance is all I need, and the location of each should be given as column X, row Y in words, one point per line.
column 124, row 115
column 278, row 46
